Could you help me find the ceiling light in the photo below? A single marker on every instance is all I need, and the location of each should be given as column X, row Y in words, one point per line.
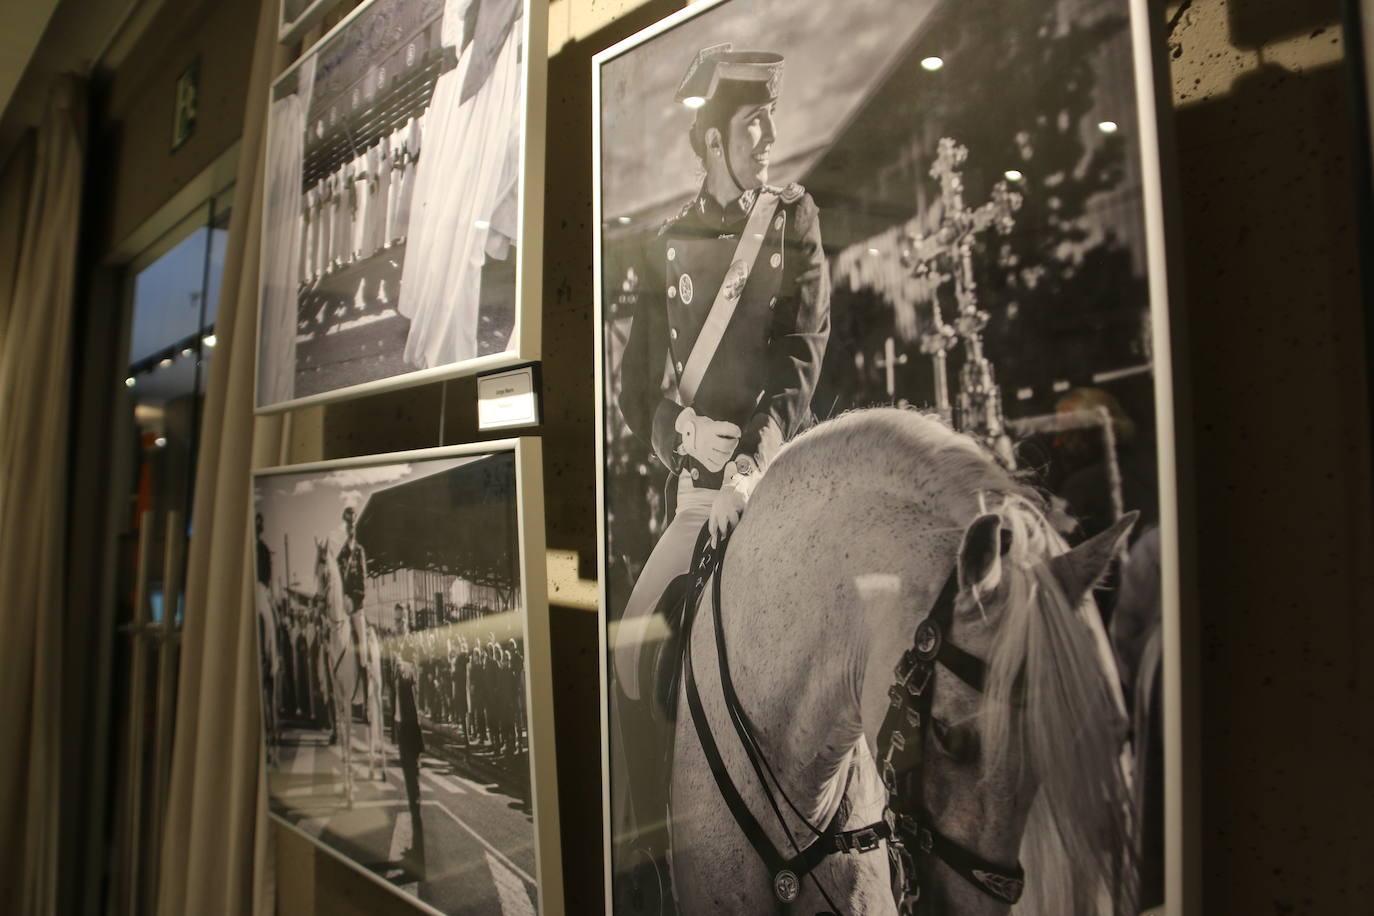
column 694, row 101
column 932, row 63
column 210, row 340
column 1107, row 127
column 1012, row 175
column 130, row 382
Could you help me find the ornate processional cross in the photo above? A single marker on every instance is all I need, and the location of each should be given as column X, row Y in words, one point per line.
column 947, row 254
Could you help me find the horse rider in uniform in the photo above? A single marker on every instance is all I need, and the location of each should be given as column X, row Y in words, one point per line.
column 727, row 344
column 352, row 575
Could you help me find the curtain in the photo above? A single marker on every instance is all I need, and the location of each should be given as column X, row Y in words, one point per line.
column 215, row 856
column 41, row 197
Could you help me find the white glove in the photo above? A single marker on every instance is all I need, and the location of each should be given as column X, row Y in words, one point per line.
column 712, row 442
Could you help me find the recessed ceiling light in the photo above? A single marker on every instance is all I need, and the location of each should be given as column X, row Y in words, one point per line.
column 932, row 63
column 1107, row 127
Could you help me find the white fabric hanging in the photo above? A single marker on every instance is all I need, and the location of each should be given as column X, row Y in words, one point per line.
column 283, row 239
column 450, row 220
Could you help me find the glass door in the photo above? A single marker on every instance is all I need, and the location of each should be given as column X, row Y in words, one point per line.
column 173, row 291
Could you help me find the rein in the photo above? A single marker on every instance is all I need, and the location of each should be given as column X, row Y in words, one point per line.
column 906, row 825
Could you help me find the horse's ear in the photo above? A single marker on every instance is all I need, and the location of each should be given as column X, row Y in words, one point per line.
column 980, row 555
column 1081, row 568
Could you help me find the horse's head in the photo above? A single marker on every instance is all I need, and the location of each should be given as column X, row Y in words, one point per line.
column 1029, row 766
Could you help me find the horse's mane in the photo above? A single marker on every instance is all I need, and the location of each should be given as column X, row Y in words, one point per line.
column 1077, row 847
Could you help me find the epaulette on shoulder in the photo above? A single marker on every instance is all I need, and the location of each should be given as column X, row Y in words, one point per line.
column 792, row 193
column 686, row 208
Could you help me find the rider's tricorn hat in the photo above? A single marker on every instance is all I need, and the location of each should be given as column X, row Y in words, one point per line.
column 719, row 74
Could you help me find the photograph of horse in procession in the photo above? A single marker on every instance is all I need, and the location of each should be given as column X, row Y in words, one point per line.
column 887, row 521
column 392, row 632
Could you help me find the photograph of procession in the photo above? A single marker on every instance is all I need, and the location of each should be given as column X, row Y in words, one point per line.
column 392, row 633
column 392, row 207
column 887, row 460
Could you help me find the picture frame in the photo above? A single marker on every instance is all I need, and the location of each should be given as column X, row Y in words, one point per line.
column 294, row 17
column 946, row 153
column 378, row 270
column 437, row 557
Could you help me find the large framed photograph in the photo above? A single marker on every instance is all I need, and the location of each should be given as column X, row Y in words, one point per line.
column 403, row 201
column 889, row 529
column 406, row 694
column 295, row 16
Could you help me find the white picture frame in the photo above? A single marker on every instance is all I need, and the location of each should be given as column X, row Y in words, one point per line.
column 477, row 861
column 1142, row 67
column 295, row 17
column 345, row 209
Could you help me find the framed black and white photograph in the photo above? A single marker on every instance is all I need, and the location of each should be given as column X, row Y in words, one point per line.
column 296, row 16
column 406, row 695
column 403, row 201
column 889, row 524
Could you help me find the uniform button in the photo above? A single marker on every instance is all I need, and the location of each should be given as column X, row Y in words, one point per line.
column 695, row 474
column 672, row 254
column 672, row 333
column 777, row 223
column 672, row 292
column 775, row 260
column 679, row 365
column 772, row 303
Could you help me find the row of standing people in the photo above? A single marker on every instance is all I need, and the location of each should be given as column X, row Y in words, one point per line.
column 363, row 206
column 477, row 686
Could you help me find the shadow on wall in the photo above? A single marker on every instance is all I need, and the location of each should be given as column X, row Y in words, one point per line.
column 1280, row 425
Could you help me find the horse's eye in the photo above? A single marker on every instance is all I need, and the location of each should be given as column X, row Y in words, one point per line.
column 960, row 742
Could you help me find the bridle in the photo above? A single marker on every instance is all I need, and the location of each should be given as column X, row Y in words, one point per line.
column 913, row 840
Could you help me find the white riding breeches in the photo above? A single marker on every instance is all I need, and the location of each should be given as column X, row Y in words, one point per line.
column 671, row 557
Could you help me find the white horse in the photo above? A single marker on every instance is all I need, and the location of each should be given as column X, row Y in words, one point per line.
column 341, row 661
column 848, row 540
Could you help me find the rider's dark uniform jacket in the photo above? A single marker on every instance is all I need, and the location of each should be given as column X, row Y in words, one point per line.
column 351, row 571
column 764, row 370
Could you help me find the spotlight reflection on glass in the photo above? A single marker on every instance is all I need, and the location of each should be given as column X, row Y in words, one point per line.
column 622, row 220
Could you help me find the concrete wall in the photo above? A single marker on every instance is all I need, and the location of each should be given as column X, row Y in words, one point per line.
column 1280, row 427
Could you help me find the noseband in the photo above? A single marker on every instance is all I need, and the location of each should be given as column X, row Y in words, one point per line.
column 913, row 840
